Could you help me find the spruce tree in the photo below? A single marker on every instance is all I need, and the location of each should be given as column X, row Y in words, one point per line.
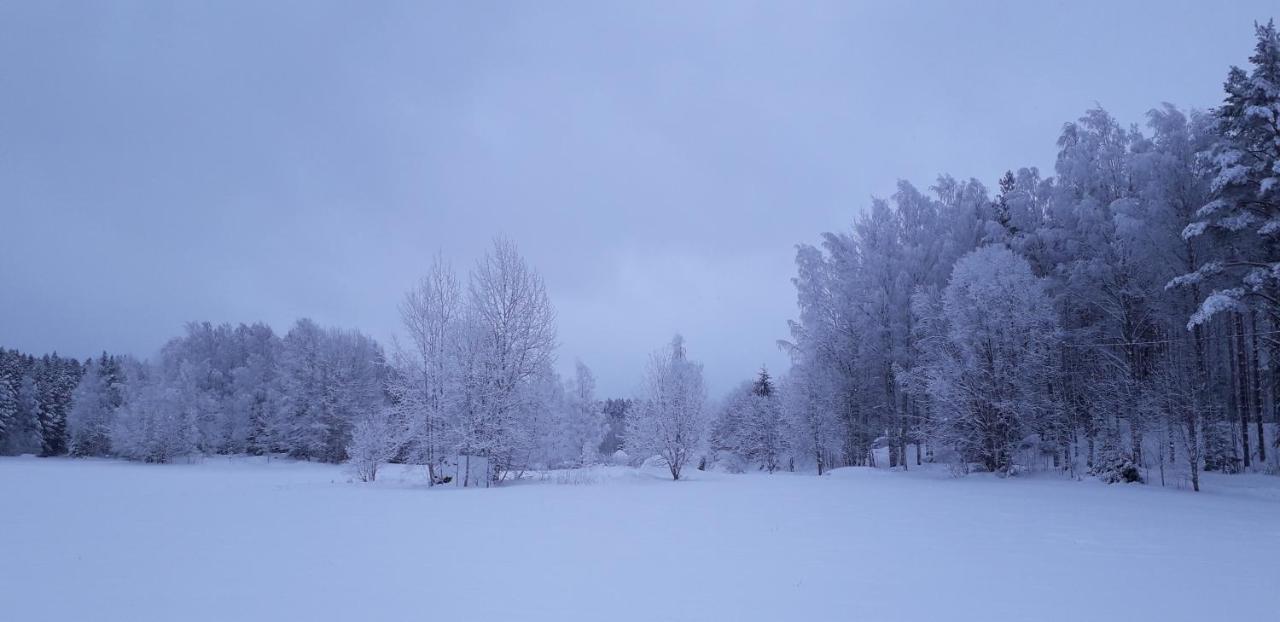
column 8, row 406
column 24, row 430
column 1244, row 213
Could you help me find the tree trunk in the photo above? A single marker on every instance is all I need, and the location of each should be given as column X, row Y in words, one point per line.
column 1242, row 384
column 1257, row 388
column 1193, row 410
column 1193, row 447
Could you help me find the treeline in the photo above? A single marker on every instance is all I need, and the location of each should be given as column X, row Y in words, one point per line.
column 220, row 389
column 474, row 378
column 1119, row 318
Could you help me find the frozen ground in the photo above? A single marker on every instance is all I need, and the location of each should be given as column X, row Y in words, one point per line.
column 242, row 540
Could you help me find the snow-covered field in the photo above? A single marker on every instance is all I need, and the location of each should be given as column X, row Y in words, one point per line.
column 238, row 539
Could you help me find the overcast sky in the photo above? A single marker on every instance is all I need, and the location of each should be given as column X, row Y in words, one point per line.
column 656, row 161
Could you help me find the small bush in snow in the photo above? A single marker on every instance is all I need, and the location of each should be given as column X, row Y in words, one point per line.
column 1116, row 467
column 374, row 440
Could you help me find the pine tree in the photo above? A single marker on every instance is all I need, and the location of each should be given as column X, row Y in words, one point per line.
column 1003, row 215
column 749, row 429
column 57, row 379
column 766, row 439
column 24, row 431
column 8, row 407
column 763, row 384
column 615, row 412
column 1244, row 213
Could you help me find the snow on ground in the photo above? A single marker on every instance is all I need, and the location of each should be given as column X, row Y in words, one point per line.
column 240, row 539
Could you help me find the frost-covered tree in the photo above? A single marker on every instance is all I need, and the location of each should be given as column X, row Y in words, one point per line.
column 749, row 427
column 614, row 411
column 24, row 434
column 35, row 401
column 257, row 398
column 582, row 426
column 198, row 365
column 767, row 442
column 356, row 389
column 476, row 377
column 159, row 420
column 991, row 357
column 305, row 377
column 1244, row 211
column 56, row 378
column 376, row 437
column 507, row 338
column 540, row 423
column 329, row 379
column 234, row 370
column 855, row 331
column 94, row 403
column 669, row 419
column 726, row 429
column 8, row 407
column 814, row 429
column 826, row 341
column 425, row 382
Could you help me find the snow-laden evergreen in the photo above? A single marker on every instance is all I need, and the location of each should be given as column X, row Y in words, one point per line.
column 749, row 430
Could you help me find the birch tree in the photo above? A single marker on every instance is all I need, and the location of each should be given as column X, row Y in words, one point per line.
column 425, row 384
column 668, row 421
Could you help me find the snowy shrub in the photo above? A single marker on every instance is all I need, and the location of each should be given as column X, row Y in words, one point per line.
column 1114, row 466
column 730, row 462
column 577, row 477
column 375, row 439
